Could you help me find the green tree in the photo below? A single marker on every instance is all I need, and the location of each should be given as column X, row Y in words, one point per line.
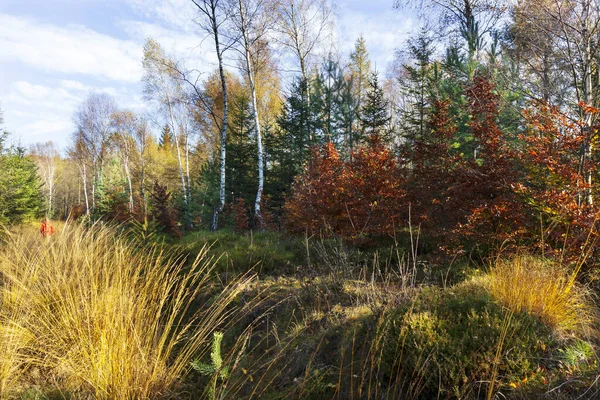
column 375, row 115
column 21, row 198
column 288, row 146
column 241, row 143
column 419, row 80
column 360, row 74
column 328, row 96
column 166, row 138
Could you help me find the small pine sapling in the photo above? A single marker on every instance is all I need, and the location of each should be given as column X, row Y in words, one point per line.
column 215, row 369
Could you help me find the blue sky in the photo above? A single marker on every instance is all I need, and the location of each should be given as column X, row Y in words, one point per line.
column 53, row 53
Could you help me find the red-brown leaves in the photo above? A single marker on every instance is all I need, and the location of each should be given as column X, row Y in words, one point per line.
column 433, row 172
column 559, row 184
column 375, row 190
column 354, row 199
column 318, row 194
column 241, row 221
column 486, row 185
column 456, row 198
column 499, row 194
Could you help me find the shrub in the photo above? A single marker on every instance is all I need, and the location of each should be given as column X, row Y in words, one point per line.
column 559, row 175
column 355, row 199
column 267, row 252
column 20, row 199
column 240, row 216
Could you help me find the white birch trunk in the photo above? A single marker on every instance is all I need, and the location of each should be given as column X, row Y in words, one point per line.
column 224, row 127
column 85, row 193
column 250, row 73
column 177, row 143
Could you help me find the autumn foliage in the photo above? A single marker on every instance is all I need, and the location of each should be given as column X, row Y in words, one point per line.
column 240, row 216
column 356, row 199
column 494, row 212
column 496, row 196
column 559, row 185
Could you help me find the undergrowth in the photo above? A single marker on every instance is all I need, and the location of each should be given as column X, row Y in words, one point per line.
column 89, row 313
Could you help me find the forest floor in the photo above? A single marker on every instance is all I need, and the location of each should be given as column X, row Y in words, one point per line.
column 336, row 321
column 318, row 319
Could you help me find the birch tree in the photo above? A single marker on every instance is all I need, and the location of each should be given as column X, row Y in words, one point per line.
column 125, row 126
column 93, row 122
column 457, row 15
column 162, row 86
column 252, row 22
column 142, row 141
column 80, row 153
column 572, row 28
column 46, row 157
column 215, row 13
column 300, row 26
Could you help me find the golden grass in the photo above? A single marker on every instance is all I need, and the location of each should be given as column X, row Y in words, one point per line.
column 542, row 288
column 104, row 317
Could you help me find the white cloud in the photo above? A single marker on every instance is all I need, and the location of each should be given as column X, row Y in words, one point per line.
column 191, row 46
column 37, row 112
column 178, row 14
column 73, row 85
column 71, row 49
column 26, row 94
column 44, row 128
column 77, row 60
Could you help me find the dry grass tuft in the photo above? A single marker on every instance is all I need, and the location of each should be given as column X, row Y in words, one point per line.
column 542, row 288
column 103, row 316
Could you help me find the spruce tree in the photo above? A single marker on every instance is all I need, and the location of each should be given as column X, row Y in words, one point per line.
column 241, row 167
column 329, row 88
column 298, row 125
column 360, row 73
column 418, row 82
column 375, row 115
column 288, row 145
column 20, row 195
column 166, row 138
column 360, row 69
column 162, row 210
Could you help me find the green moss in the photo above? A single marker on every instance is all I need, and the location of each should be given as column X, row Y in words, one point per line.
column 447, row 340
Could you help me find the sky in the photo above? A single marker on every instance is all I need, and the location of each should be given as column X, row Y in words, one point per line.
column 54, row 53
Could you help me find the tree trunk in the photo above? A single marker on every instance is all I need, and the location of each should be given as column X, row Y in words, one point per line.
column 128, row 175
column 177, row 146
column 251, row 82
column 217, row 211
column 85, row 193
column 187, row 163
column 587, row 98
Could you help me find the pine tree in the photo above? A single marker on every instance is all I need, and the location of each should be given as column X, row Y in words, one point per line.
column 419, row 81
column 241, row 166
column 349, row 118
column 375, row 116
column 20, row 198
column 360, row 73
column 290, row 149
column 329, row 88
column 166, row 138
column 289, row 145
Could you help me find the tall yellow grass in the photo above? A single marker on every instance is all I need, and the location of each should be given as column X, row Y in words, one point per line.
column 542, row 288
column 103, row 316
